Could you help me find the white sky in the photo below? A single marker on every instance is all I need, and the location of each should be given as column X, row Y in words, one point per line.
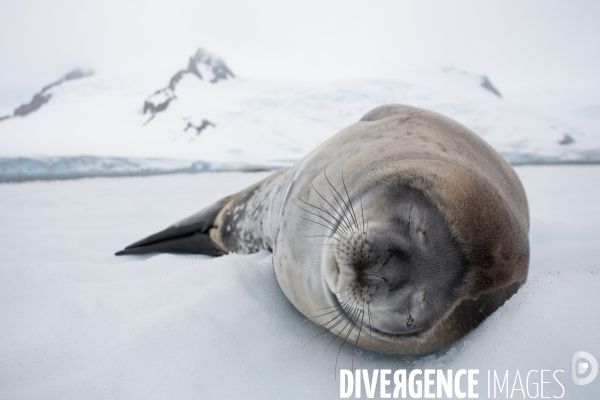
column 519, row 43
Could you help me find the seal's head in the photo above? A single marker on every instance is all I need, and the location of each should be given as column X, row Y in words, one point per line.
column 401, row 267
column 404, row 279
column 424, row 227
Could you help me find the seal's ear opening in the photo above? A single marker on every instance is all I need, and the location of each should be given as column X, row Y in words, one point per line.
column 190, row 236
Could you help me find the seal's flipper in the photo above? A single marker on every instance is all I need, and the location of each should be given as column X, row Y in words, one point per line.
column 196, row 243
column 190, row 235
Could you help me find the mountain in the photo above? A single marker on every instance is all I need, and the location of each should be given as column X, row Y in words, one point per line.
column 202, row 65
column 486, row 83
column 125, row 125
column 41, row 98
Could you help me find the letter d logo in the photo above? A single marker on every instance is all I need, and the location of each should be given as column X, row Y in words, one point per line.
column 581, row 367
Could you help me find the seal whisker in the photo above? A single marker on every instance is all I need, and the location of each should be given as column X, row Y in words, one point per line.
column 340, row 223
column 347, row 219
column 358, row 337
column 318, row 223
column 330, row 205
column 350, row 201
column 354, row 322
column 318, row 208
column 322, row 315
column 342, row 242
column 338, row 193
column 343, row 209
column 337, row 323
column 347, row 209
column 339, row 316
column 325, row 329
column 352, row 308
column 337, row 335
column 326, row 236
column 333, row 227
column 324, row 325
column 333, row 244
column 362, row 213
column 335, row 247
column 344, row 231
column 341, row 216
column 370, row 323
column 342, row 299
column 345, row 251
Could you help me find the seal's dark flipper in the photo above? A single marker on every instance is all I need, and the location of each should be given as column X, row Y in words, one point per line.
column 196, row 243
column 190, row 235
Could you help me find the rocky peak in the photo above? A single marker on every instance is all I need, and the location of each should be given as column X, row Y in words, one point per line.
column 484, row 81
column 214, row 68
column 203, row 65
column 41, row 98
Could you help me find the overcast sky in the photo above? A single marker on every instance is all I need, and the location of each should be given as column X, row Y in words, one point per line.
column 518, row 43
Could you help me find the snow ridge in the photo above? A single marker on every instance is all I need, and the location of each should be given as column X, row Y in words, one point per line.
column 41, row 98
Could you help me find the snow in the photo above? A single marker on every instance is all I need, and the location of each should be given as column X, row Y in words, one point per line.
column 78, row 322
column 258, row 121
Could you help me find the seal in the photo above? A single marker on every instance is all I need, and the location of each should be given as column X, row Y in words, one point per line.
column 399, row 234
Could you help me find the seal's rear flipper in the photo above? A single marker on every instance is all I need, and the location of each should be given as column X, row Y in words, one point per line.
column 190, row 235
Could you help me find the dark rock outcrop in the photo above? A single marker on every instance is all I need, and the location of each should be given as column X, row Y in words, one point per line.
column 202, row 65
column 38, row 100
column 203, row 125
column 567, row 139
column 487, row 84
column 41, row 98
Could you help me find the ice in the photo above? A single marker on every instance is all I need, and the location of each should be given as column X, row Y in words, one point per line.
column 78, row 322
column 19, row 169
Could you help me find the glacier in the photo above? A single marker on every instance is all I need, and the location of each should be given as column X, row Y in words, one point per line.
column 134, row 124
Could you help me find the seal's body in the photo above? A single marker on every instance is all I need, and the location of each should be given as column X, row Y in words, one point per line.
column 400, row 234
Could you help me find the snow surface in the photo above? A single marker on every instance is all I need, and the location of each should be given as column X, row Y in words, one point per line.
column 78, row 322
column 260, row 121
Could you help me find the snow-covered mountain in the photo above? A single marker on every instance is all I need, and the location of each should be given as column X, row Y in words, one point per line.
column 205, row 113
